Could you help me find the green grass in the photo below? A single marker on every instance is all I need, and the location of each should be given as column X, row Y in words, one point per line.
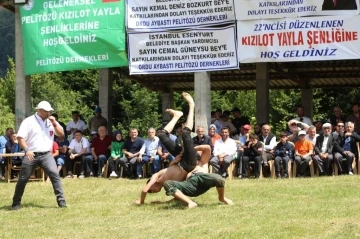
column 327, row 207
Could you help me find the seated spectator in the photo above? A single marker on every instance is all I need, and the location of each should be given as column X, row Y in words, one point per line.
column 294, row 127
column 131, row 151
column 284, row 152
column 239, row 120
column 224, row 152
column 63, row 144
column 253, row 150
column 318, row 125
column 100, row 151
column 257, row 129
column 116, row 154
column 78, row 149
column 97, row 120
column 345, row 148
column 75, row 124
column 3, row 140
column 242, row 138
column 269, row 140
column 202, row 139
column 336, row 117
column 12, row 146
column 303, row 152
column 311, row 135
column 148, row 153
column 323, row 157
column 212, row 134
column 225, row 122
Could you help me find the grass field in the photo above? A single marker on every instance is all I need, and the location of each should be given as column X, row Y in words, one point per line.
column 326, row 207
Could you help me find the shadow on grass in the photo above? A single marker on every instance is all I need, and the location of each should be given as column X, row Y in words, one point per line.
column 24, row 206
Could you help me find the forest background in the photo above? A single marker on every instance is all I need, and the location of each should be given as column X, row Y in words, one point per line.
column 135, row 105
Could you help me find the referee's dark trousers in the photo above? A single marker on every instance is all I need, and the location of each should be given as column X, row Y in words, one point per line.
column 45, row 161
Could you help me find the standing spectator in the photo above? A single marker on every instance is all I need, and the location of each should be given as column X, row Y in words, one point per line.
column 3, row 140
column 318, row 125
column 62, row 125
column 257, row 129
column 336, row 117
column 324, row 151
column 75, row 124
column 116, row 154
column 239, row 120
column 224, row 152
column 78, row 149
column 300, row 116
column 97, row 120
column 100, row 149
column 303, row 152
column 131, row 151
column 355, row 117
column 36, row 136
column 284, row 152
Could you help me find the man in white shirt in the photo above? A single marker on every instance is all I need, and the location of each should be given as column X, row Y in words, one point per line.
column 36, row 137
column 224, row 152
column 78, row 149
column 301, row 117
column 148, row 153
column 75, row 124
column 269, row 140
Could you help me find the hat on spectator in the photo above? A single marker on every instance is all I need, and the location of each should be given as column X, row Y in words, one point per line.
column 326, row 125
column 212, row 126
column 236, row 109
column 301, row 132
column 97, row 109
column 44, row 105
column 93, row 132
column 248, row 127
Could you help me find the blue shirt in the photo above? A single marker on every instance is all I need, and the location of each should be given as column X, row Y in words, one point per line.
column 133, row 147
column 61, row 144
column 3, row 141
column 347, row 146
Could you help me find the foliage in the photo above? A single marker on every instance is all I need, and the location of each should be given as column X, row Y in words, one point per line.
column 320, row 207
column 7, row 39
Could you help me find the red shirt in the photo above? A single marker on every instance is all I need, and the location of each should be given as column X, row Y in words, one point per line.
column 101, row 146
column 54, row 147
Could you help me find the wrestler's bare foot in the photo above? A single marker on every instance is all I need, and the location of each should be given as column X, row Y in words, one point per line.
column 192, row 205
column 226, row 201
column 175, row 113
column 188, row 98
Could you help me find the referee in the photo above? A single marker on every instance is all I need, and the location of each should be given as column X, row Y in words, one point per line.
column 36, row 136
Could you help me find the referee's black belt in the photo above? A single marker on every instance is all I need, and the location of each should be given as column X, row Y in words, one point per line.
column 40, row 153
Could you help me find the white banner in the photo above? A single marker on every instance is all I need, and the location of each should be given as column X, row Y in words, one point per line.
column 302, row 39
column 264, row 9
column 167, row 14
column 205, row 49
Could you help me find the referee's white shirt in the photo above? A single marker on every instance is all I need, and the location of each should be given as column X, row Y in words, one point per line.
column 38, row 134
column 77, row 147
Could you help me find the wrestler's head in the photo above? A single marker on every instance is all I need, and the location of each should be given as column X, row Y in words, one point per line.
column 156, row 187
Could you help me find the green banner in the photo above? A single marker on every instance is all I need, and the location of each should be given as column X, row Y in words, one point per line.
column 66, row 35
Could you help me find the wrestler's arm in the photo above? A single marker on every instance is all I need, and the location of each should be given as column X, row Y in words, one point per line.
column 153, row 180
